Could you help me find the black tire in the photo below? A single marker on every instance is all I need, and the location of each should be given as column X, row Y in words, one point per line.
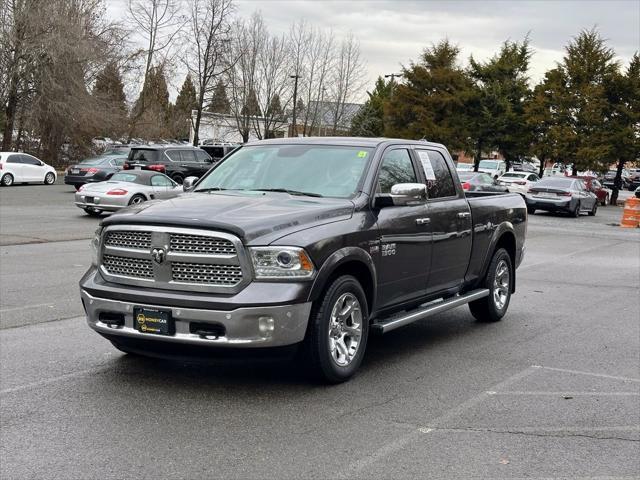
column 7, row 180
column 136, row 199
column 592, row 212
column 77, row 187
column 576, row 211
column 49, row 178
column 317, row 349
column 531, row 210
column 178, row 178
column 488, row 309
column 94, row 212
column 605, row 202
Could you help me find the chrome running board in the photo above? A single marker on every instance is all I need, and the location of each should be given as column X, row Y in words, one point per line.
column 427, row 310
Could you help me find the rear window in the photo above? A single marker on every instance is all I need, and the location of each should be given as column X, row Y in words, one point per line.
column 93, row 161
column 125, row 177
column 143, row 155
column 466, row 175
column 513, row 175
column 488, row 164
column 557, row 182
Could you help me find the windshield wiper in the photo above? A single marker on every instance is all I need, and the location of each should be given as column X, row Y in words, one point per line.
column 286, row 190
column 212, row 189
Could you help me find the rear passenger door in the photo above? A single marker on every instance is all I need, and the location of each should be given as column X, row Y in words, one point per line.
column 450, row 220
column 403, row 234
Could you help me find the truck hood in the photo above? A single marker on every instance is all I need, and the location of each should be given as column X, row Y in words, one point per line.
column 256, row 217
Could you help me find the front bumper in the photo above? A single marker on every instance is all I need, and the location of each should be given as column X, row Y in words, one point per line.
column 242, row 327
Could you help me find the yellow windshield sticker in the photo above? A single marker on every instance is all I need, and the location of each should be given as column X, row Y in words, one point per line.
column 362, row 154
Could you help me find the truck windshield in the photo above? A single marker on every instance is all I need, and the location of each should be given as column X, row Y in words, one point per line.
column 488, row 164
column 316, row 170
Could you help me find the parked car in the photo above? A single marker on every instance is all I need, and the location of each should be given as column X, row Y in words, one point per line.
column 464, row 167
column 593, row 185
column 609, row 179
column 18, row 167
column 91, row 170
column 637, row 192
column 217, row 151
column 479, row 182
column 523, row 166
column 495, row 168
column 177, row 161
column 634, row 178
column 518, row 182
column 561, row 194
column 125, row 188
column 304, row 243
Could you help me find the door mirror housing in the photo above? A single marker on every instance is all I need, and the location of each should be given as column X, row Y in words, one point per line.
column 402, row 194
column 188, row 183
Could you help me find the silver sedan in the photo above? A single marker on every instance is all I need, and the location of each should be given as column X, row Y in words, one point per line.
column 124, row 189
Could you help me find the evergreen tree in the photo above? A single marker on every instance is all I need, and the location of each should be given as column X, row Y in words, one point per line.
column 497, row 108
column 108, row 92
column 431, row 102
column 251, row 107
column 219, row 100
column 275, row 107
column 369, row 121
column 181, row 111
column 152, row 107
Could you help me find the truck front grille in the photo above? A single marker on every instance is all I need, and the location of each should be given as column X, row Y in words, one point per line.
column 174, row 258
column 201, row 244
column 203, row 273
column 128, row 267
column 140, row 240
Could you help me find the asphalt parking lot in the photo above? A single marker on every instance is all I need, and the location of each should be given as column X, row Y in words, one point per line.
column 552, row 391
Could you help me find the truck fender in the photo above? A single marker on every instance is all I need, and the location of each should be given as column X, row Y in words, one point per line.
column 341, row 257
column 504, row 227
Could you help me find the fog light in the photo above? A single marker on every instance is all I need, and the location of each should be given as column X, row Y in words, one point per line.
column 266, row 325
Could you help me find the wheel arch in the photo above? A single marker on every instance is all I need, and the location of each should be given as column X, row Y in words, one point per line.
column 347, row 261
column 504, row 237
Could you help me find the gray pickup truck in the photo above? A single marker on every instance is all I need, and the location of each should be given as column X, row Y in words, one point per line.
column 307, row 245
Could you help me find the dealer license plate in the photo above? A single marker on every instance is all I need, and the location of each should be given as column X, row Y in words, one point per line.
column 150, row 320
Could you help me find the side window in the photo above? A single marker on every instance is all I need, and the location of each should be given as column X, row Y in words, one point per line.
column 28, row 160
column 174, row 155
column 202, row 156
column 396, row 168
column 160, row 181
column 117, row 162
column 486, row 179
column 533, row 178
column 188, row 155
column 15, row 159
column 439, row 179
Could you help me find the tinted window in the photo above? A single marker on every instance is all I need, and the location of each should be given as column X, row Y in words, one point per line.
column 15, row 159
column 117, row 162
column 174, row 155
column 93, row 161
column 396, row 168
column 532, row 178
column 28, row 160
column 555, row 182
column 160, row 181
column 143, row 155
column 188, row 155
column 439, row 179
column 202, row 156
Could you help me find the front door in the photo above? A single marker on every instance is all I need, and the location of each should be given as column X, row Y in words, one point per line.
column 162, row 187
column 32, row 169
column 403, row 235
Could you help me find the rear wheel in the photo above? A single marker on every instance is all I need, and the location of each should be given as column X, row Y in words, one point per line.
column 593, row 211
column 337, row 333
column 531, row 210
column 49, row 178
column 136, row 199
column 7, row 180
column 605, row 202
column 576, row 211
column 178, row 178
column 498, row 280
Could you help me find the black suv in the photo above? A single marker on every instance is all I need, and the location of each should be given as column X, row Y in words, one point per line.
column 177, row 162
column 219, row 150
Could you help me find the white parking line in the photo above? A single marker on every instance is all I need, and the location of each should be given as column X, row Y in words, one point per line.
column 13, row 309
column 571, row 394
column 48, row 381
column 601, row 375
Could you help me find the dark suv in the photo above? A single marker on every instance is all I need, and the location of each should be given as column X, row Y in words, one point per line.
column 219, row 150
column 177, row 162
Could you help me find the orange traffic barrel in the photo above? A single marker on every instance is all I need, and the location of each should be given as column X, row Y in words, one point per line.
column 631, row 213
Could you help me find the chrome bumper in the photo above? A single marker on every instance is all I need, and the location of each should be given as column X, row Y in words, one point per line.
column 242, row 325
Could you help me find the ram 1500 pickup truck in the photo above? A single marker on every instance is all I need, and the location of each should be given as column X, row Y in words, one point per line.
column 309, row 243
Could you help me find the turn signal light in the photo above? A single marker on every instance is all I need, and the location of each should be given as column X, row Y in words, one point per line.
column 117, row 191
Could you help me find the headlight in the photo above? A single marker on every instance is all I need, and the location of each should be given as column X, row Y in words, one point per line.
column 281, row 262
column 95, row 246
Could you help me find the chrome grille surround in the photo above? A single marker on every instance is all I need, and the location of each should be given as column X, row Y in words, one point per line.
column 174, row 258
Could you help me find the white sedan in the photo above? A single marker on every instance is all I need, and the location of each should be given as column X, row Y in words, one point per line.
column 518, row 182
column 16, row 167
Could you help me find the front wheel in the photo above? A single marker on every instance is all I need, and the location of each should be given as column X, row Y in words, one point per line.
column 531, row 210
column 605, row 202
column 94, row 212
column 49, row 179
column 498, row 280
column 593, row 211
column 576, row 211
column 337, row 333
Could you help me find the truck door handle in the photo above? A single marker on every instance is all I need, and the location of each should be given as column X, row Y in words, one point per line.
column 463, row 214
column 423, row 221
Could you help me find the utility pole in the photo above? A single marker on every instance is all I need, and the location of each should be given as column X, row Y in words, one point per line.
column 393, row 76
column 295, row 102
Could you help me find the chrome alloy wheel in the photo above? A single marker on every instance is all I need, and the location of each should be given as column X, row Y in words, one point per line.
column 501, row 285
column 345, row 329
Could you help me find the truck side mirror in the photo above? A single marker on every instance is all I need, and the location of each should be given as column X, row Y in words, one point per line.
column 188, row 183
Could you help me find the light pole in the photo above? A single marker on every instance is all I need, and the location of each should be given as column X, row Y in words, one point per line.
column 295, row 102
column 322, row 110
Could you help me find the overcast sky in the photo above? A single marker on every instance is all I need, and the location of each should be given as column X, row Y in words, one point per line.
column 394, row 32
